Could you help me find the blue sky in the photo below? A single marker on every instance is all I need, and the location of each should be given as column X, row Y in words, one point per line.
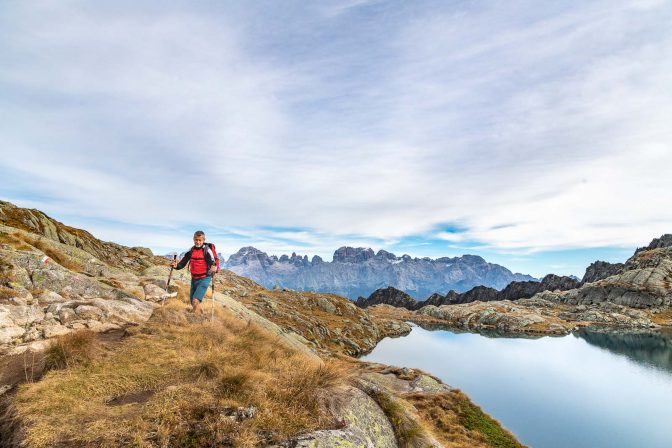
column 536, row 134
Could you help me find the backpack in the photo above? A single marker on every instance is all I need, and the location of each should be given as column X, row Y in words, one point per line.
column 210, row 247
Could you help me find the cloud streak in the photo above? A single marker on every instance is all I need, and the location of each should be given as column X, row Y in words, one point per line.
column 529, row 127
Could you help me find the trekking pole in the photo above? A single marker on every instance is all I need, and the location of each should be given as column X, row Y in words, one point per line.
column 169, row 277
column 212, row 313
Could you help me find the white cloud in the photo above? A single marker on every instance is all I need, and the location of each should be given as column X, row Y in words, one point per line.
column 529, row 126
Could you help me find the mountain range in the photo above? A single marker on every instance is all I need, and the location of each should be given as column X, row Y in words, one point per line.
column 642, row 281
column 358, row 271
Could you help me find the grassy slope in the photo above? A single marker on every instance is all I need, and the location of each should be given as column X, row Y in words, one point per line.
column 172, row 383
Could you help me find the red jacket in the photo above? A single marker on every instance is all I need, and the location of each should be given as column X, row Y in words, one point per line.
column 200, row 260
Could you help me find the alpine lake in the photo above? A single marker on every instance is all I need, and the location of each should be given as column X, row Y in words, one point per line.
column 593, row 388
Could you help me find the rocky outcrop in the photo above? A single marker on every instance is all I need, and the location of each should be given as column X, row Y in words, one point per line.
column 645, row 282
column 657, row 243
column 479, row 293
column 523, row 290
column 43, row 300
column 364, row 425
column 327, row 322
column 389, row 296
column 504, row 317
column 536, row 316
column 42, row 227
column 601, row 269
column 355, row 272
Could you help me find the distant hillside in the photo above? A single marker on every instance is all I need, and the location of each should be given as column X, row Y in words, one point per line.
column 513, row 291
column 355, row 272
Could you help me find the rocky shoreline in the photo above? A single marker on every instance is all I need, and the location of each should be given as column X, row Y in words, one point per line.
column 529, row 317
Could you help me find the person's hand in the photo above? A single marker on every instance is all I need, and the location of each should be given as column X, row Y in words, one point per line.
column 173, row 263
column 213, row 270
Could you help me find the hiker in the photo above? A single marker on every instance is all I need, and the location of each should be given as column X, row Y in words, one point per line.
column 203, row 264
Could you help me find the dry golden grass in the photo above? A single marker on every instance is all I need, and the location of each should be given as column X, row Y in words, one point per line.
column 26, row 241
column 458, row 423
column 173, row 382
column 46, row 246
column 71, row 350
column 14, row 240
column 6, row 293
column 662, row 318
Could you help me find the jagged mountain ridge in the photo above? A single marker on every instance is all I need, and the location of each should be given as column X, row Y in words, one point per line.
column 354, row 272
column 513, row 291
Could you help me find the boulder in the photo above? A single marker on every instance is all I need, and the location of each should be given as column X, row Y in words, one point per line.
column 155, row 293
column 9, row 332
column 325, row 305
column 88, row 312
column 47, row 297
column 67, row 315
column 365, row 425
column 56, row 329
column 22, row 315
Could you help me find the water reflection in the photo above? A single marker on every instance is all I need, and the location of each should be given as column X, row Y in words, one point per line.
column 653, row 349
column 574, row 391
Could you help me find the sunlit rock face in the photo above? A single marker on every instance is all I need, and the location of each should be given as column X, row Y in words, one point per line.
column 357, row 271
column 643, row 281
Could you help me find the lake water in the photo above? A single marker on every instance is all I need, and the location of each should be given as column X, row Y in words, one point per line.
column 589, row 389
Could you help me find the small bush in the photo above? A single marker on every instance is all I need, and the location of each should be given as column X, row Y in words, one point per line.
column 205, row 370
column 234, row 384
column 74, row 349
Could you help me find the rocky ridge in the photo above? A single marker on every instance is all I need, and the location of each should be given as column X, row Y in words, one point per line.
column 645, row 282
column 389, row 296
column 45, row 229
column 513, row 291
column 601, row 269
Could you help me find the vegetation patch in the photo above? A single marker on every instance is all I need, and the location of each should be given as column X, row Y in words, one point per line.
column 72, row 350
column 459, row 423
column 6, row 293
column 46, row 246
column 14, row 241
column 181, row 381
